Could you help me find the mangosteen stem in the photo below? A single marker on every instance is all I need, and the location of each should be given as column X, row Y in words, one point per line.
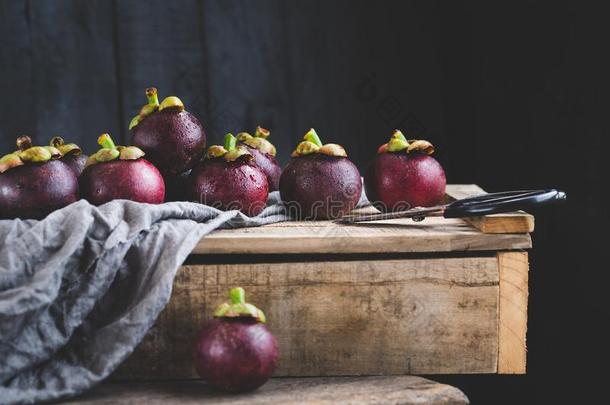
column 105, row 141
column 57, row 141
column 230, row 142
column 261, row 132
column 24, row 142
column 397, row 134
column 237, row 307
column 313, row 137
column 151, row 95
column 237, row 295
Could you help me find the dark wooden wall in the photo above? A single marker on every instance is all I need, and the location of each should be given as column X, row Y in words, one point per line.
column 352, row 70
column 513, row 94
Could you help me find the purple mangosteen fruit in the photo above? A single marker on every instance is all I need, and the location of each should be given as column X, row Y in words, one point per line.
column 264, row 154
column 320, row 182
column 403, row 175
column 235, row 351
column 120, row 172
column 34, row 181
column 172, row 138
column 71, row 154
column 229, row 179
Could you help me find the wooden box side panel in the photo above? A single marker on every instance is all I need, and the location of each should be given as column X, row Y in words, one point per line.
column 510, row 222
column 420, row 316
column 512, row 324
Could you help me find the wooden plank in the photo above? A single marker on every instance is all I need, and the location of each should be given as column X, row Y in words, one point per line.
column 407, row 390
column 399, row 235
column 18, row 101
column 512, row 222
column 73, row 71
column 254, row 54
column 391, row 236
column 512, row 323
column 422, row 316
column 161, row 45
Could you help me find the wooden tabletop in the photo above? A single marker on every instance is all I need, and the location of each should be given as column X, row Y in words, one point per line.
column 407, row 390
column 493, row 232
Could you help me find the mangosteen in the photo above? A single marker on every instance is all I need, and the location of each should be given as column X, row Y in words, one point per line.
column 71, row 154
column 172, row 138
column 264, row 154
column 228, row 178
column 120, row 172
column 34, row 181
column 403, row 175
column 320, row 182
column 235, row 351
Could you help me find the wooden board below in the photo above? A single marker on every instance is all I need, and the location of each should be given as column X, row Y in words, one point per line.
column 420, row 316
column 514, row 267
column 392, row 236
column 512, row 222
column 398, row 236
column 406, row 390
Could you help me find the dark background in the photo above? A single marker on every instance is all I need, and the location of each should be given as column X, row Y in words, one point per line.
column 513, row 95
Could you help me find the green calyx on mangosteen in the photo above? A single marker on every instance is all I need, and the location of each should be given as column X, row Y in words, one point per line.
column 230, row 151
column 228, row 179
column 237, row 307
column 120, row 172
column 320, row 182
column 172, row 138
column 264, row 154
column 398, row 143
column 71, row 154
column 110, row 151
column 312, row 144
column 258, row 141
column 404, row 175
column 34, row 182
column 26, row 153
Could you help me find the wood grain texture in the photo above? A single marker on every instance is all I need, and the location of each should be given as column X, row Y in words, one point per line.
column 248, row 79
column 161, row 45
column 434, row 234
column 512, row 322
column 512, row 222
column 422, row 316
column 17, row 104
column 73, row 71
column 405, row 390
column 400, row 235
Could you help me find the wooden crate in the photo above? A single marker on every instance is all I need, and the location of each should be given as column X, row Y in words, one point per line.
column 398, row 297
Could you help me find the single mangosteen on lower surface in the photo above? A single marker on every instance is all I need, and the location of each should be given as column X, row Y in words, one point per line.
column 235, row 351
column 71, row 154
column 264, row 154
column 34, row 182
column 172, row 138
column 403, row 175
column 320, row 182
column 229, row 179
column 120, row 172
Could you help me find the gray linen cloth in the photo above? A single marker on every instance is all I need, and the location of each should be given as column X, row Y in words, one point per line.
column 80, row 289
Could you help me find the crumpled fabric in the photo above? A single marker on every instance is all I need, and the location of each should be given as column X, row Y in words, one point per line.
column 80, row 289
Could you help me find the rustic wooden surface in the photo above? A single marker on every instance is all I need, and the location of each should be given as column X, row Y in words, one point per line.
column 397, row 235
column 460, row 313
column 513, row 222
column 513, row 267
column 406, row 390
column 366, row 317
